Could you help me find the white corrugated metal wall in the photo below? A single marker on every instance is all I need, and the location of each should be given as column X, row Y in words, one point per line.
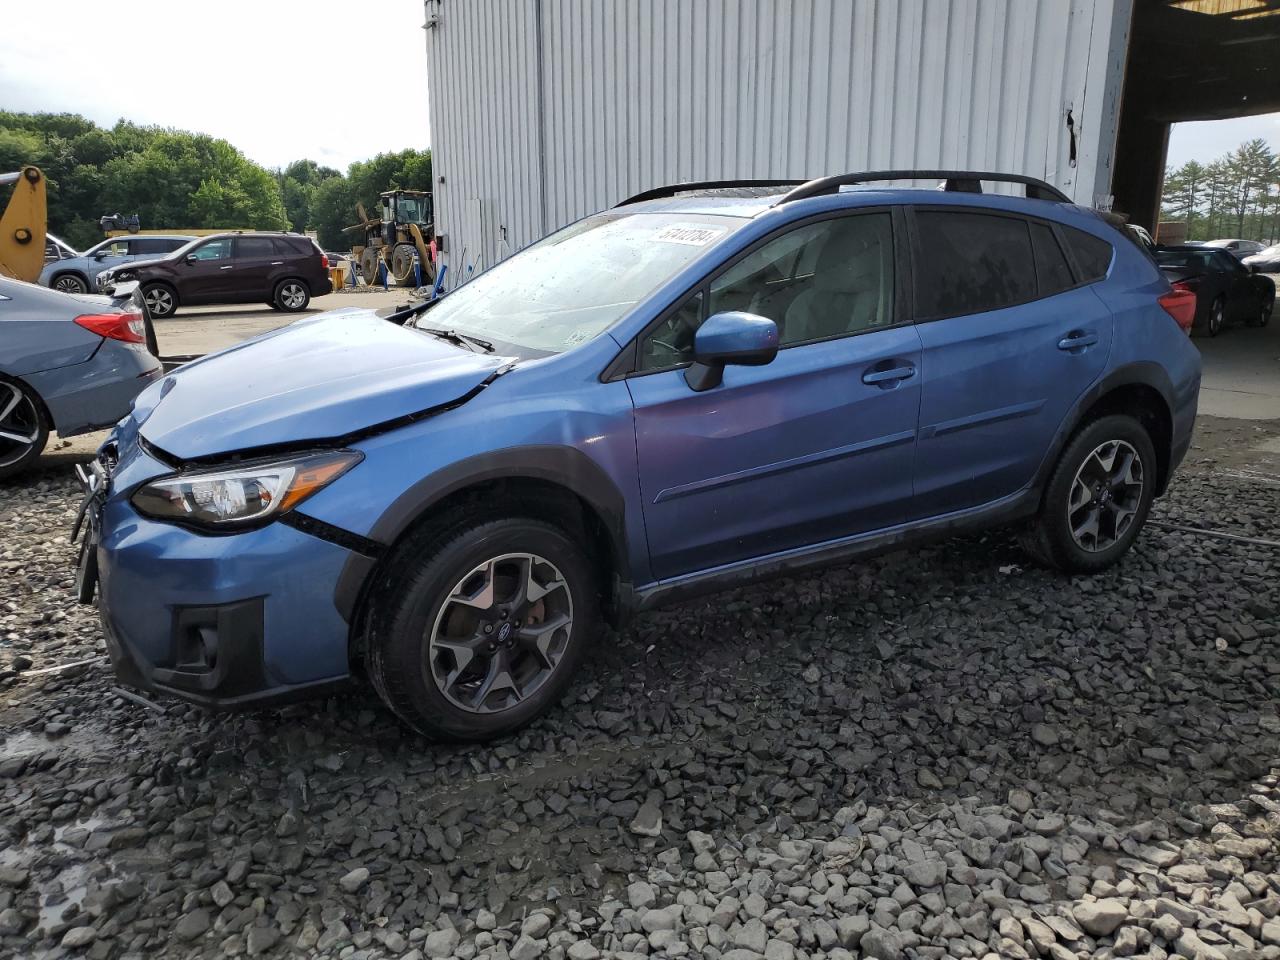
column 543, row 111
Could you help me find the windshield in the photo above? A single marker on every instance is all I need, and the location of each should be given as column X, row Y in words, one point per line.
column 413, row 210
column 570, row 287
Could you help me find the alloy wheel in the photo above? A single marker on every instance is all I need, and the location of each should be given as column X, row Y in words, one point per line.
column 1216, row 316
column 69, row 284
column 19, row 424
column 293, row 296
column 500, row 633
column 159, row 301
column 1105, row 496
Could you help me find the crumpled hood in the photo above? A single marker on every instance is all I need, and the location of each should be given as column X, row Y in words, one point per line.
column 317, row 379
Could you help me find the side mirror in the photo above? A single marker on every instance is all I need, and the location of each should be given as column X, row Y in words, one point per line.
column 191, row 258
column 727, row 338
column 100, row 255
column 1254, row 268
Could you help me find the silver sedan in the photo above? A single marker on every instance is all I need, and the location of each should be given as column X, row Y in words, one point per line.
column 67, row 363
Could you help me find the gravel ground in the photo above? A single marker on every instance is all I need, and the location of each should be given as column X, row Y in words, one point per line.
column 937, row 754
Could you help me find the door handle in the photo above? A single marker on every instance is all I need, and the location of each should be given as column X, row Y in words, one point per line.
column 1077, row 340
column 225, row 268
column 277, row 263
column 890, row 376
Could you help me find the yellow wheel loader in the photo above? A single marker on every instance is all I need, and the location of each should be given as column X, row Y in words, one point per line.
column 395, row 240
column 23, row 225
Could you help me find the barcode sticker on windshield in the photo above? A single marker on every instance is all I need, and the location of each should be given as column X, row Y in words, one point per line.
column 694, row 234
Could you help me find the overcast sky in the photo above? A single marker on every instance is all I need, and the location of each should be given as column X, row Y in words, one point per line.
column 331, row 80
column 281, row 79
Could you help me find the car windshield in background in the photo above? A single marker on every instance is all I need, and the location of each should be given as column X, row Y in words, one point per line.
column 412, row 210
column 572, row 286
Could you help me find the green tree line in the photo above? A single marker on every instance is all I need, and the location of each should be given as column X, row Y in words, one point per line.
column 1237, row 195
column 175, row 179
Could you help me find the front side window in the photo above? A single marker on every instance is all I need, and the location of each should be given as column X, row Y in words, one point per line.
column 826, row 279
column 572, row 286
column 213, row 250
column 155, row 245
column 971, row 263
column 116, row 248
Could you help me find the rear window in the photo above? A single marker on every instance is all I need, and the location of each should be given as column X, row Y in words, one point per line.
column 1093, row 255
column 1192, row 261
column 971, row 263
column 1053, row 275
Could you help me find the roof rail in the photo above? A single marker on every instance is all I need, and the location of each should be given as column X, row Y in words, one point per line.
column 956, row 181
column 671, row 189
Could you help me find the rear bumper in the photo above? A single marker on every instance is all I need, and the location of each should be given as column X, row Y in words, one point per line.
column 322, row 287
column 98, row 392
column 223, row 621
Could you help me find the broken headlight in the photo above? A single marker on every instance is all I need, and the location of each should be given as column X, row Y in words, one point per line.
column 245, row 495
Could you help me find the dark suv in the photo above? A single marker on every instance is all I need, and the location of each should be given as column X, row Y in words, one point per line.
column 283, row 270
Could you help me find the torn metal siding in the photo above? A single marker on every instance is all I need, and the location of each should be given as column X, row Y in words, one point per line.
column 546, row 110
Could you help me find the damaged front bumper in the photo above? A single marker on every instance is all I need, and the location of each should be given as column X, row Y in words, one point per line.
column 226, row 620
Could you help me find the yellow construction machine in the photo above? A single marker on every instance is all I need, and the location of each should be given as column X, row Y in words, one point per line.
column 395, row 240
column 23, row 224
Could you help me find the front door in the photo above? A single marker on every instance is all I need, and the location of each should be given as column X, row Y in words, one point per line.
column 1011, row 340
column 813, row 447
column 206, row 273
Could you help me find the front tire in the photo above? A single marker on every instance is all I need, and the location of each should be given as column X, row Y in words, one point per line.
column 291, row 296
column 161, row 300
column 1097, row 499
column 23, row 429
column 1264, row 315
column 479, row 629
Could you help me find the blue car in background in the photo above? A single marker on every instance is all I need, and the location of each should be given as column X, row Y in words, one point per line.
column 70, row 364
column 703, row 386
column 79, row 274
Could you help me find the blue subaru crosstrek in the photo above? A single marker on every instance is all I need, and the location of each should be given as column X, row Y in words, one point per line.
column 705, row 385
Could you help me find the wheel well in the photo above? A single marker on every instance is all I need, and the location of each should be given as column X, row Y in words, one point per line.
column 524, row 497
column 69, row 273
column 35, row 394
column 284, row 280
column 1149, row 407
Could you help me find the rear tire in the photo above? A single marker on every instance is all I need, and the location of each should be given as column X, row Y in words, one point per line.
column 69, row 283
column 23, row 428
column 1097, row 498
column 291, row 296
column 457, row 649
column 161, row 300
column 1217, row 318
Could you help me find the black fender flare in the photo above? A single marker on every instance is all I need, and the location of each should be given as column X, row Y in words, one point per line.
column 563, row 466
column 1140, row 372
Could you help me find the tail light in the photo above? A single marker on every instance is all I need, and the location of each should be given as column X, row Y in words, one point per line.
column 127, row 327
column 324, row 261
column 1180, row 303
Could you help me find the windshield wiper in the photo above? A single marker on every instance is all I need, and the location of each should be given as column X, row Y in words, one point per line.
column 461, row 339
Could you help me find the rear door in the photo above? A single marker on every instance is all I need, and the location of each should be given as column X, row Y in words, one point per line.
column 1011, row 337
column 253, row 260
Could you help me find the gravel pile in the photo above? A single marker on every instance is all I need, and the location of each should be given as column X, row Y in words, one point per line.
column 939, row 754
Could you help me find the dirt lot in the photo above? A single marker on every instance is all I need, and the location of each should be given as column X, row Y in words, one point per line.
column 946, row 753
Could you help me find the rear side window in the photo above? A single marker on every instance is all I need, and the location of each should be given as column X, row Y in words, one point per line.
column 292, row 246
column 971, row 263
column 1052, row 273
column 1093, row 255
column 254, row 248
column 156, row 245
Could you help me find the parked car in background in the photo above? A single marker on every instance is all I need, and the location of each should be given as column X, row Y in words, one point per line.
column 283, row 270
column 79, row 274
column 57, row 249
column 1226, row 290
column 1237, row 248
column 1266, row 260
column 674, row 396
column 67, row 363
